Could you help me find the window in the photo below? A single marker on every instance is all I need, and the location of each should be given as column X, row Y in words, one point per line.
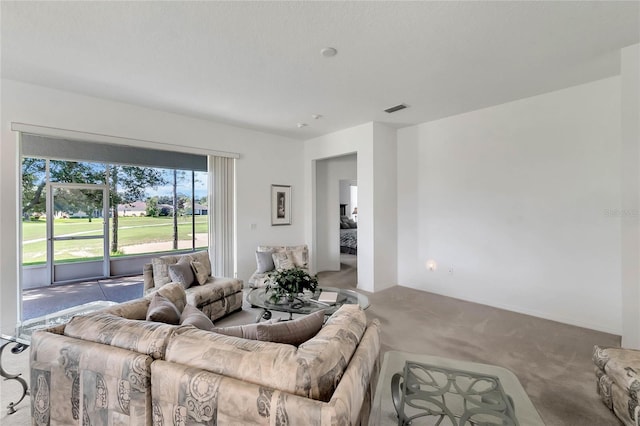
column 150, row 209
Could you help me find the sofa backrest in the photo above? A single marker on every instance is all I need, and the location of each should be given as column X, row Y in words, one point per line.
column 312, row 370
column 156, row 274
column 300, row 253
column 145, row 337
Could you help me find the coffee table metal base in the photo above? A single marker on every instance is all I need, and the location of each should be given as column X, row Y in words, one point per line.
column 455, row 396
column 383, row 410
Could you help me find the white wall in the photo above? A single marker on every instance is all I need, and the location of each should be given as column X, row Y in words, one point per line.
column 630, row 207
column 513, row 204
column 375, row 146
column 264, row 159
column 329, row 174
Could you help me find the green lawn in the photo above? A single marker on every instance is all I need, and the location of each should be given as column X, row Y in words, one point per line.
column 132, row 231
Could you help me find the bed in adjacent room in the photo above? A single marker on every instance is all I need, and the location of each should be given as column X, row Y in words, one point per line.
column 348, row 236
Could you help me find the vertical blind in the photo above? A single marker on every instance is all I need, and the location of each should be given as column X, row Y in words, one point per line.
column 222, row 184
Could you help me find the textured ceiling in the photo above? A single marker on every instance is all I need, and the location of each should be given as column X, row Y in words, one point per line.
column 258, row 64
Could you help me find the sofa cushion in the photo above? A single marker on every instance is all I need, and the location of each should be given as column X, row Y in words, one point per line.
column 194, row 316
column 145, row 337
column 182, row 273
column 246, row 331
column 294, row 332
column 214, row 289
column 264, row 261
column 162, row 309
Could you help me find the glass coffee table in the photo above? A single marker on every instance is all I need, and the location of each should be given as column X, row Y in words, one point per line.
column 22, row 338
column 428, row 390
column 305, row 303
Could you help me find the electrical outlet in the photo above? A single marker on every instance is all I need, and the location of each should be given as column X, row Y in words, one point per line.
column 254, row 226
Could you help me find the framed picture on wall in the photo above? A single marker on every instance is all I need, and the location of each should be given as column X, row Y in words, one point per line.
column 280, row 205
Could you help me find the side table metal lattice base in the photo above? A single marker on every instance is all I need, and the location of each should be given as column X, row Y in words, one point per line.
column 17, row 349
column 454, row 397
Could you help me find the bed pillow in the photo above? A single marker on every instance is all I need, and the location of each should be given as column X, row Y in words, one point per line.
column 264, row 259
column 182, row 273
column 194, row 316
column 163, row 310
column 294, row 332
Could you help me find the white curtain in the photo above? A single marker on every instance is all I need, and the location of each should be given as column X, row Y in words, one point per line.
column 222, row 215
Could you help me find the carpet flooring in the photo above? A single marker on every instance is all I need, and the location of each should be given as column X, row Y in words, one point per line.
column 551, row 360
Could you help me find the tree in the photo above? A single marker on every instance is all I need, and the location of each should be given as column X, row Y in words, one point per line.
column 34, row 183
column 152, row 207
column 129, row 184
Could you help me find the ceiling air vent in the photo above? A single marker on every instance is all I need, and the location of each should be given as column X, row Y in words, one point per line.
column 395, row 108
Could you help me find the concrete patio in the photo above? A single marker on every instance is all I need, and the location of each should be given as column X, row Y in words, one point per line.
column 45, row 300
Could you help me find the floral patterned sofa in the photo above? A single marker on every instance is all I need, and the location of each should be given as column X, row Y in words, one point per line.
column 113, row 367
column 215, row 296
column 618, row 381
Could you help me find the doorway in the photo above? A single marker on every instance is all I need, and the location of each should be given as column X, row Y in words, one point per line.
column 78, row 238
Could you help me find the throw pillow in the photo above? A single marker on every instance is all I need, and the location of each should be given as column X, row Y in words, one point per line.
column 182, row 273
column 293, row 332
column 162, row 309
column 194, row 316
column 161, row 271
column 202, row 257
column 200, row 270
column 282, row 261
column 264, row 259
column 300, row 257
column 248, row 331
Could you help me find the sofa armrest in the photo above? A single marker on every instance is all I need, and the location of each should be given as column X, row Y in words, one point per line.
column 147, row 275
column 78, row 382
column 354, row 394
column 621, row 365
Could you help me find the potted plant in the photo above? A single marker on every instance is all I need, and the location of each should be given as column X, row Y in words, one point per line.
column 288, row 283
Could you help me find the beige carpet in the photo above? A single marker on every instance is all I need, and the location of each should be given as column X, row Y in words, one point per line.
column 551, row 360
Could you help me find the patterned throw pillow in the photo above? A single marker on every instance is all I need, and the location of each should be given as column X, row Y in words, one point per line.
column 194, row 316
column 282, row 260
column 200, row 270
column 161, row 271
column 182, row 273
column 162, row 309
column 300, row 257
column 202, row 257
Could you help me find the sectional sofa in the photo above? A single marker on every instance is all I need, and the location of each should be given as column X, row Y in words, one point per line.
column 113, row 367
